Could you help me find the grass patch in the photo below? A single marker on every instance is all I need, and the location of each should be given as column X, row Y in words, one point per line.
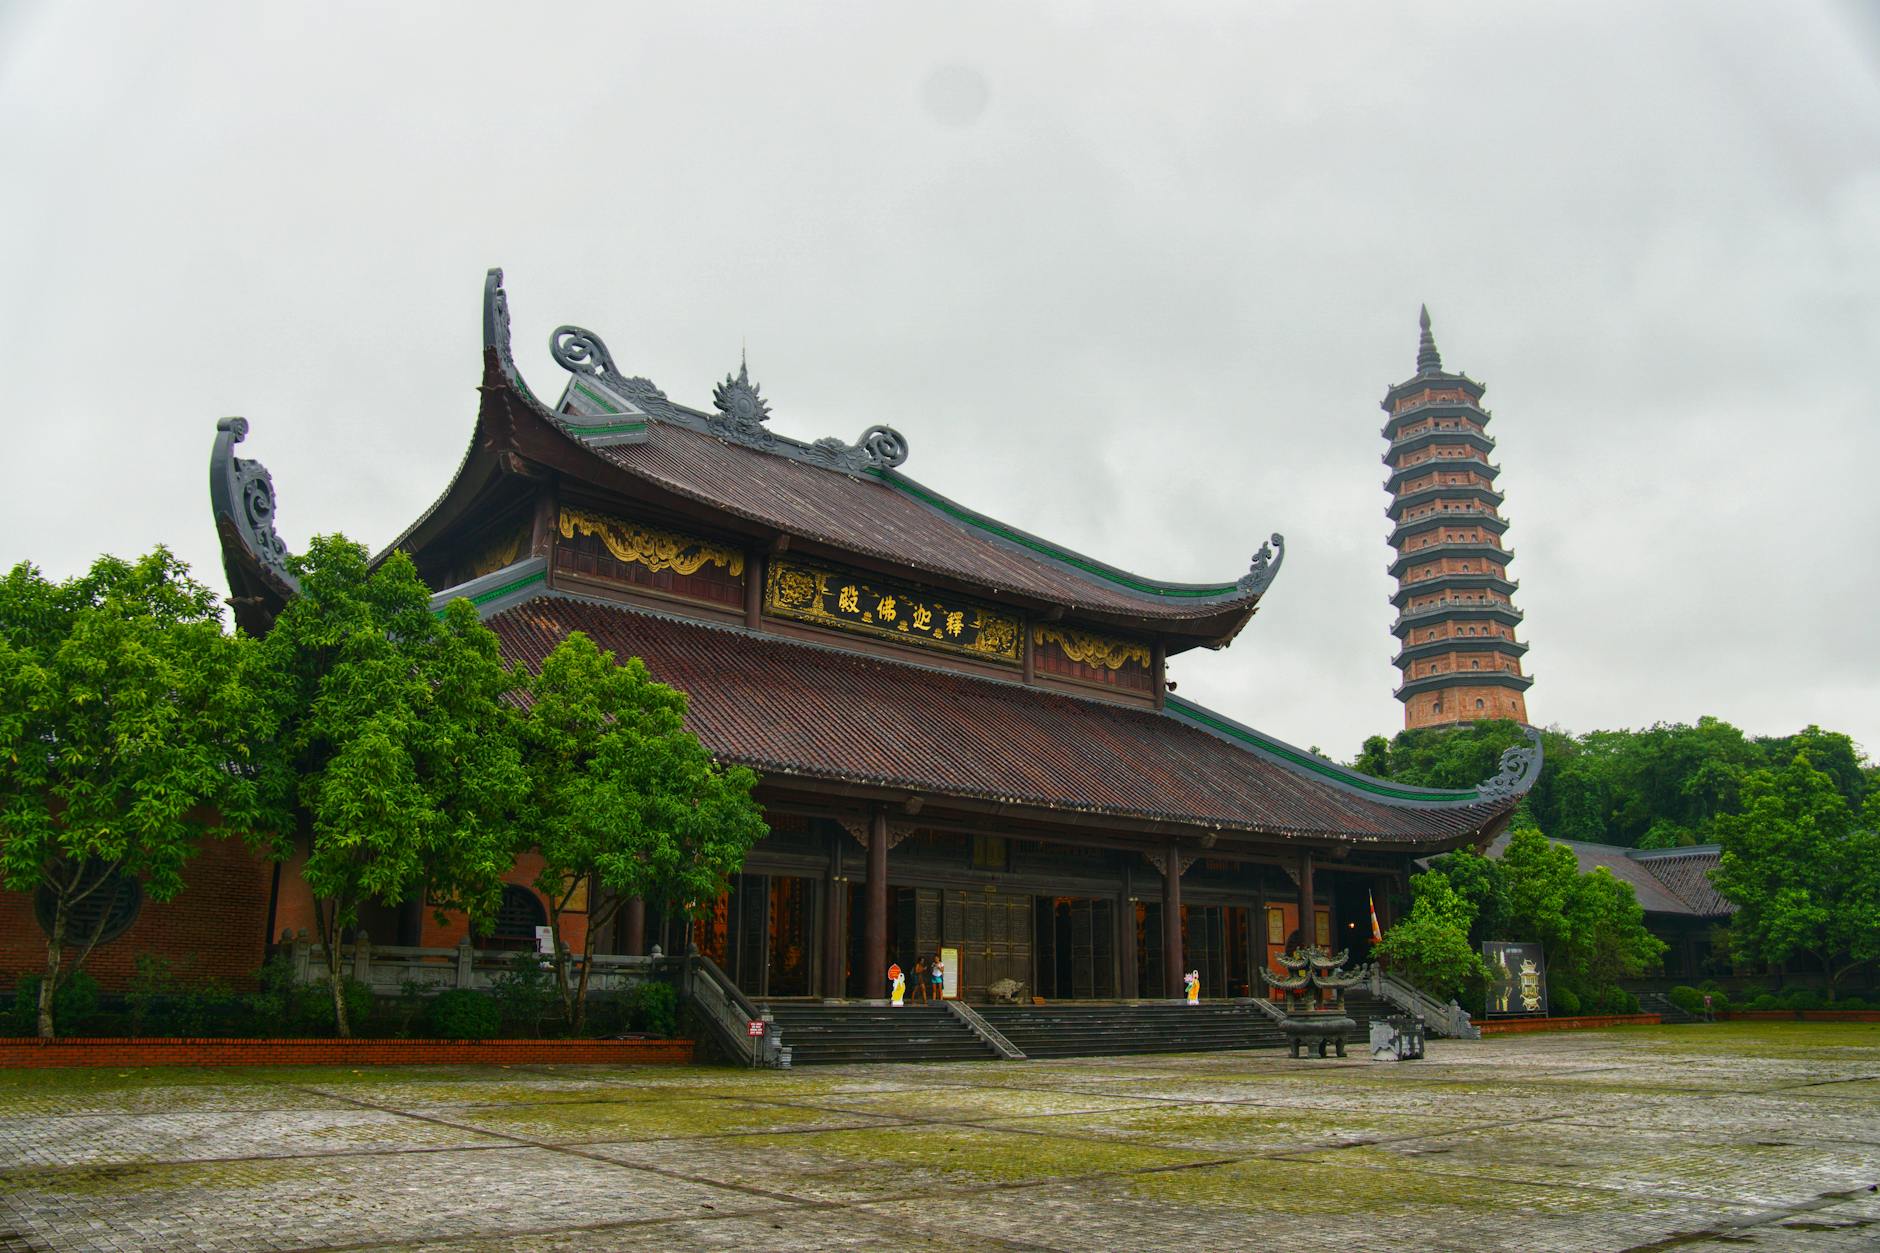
column 564, row 1122
column 1381, row 1184
column 132, row 1178
column 981, row 1153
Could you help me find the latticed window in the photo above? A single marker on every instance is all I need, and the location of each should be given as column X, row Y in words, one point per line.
column 114, row 902
column 517, row 918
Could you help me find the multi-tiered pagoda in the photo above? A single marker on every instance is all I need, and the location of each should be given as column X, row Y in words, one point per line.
column 1455, row 603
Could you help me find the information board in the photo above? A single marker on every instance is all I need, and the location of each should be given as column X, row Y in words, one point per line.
column 1517, row 978
column 950, row 977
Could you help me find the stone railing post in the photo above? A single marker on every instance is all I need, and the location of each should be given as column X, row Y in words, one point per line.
column 466, row 962
column 362, row 956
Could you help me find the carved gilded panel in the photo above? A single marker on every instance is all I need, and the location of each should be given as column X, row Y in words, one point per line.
column 649, row 546
column 848, row 602
column 1098, row 651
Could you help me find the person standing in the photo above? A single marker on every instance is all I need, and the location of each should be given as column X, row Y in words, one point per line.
column 937, row 974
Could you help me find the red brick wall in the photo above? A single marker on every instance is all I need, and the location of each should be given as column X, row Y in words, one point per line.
column 1516, row 1026
column 107, row 1052
column 214, row 928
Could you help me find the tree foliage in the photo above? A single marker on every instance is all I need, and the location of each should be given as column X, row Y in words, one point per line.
column 124, row 724
column 395, row 763
column 1591, row 926
column 624, row 800
column 1803, row 870
column 1432, row 946
column 1661, row 787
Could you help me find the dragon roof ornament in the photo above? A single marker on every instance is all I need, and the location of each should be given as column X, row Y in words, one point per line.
column 580, row 351
column 1520, row 767
column 1265, row 565
column 241, row 494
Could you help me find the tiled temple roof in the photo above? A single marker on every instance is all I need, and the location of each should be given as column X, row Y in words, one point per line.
column 788, row 708
column 1666, row 881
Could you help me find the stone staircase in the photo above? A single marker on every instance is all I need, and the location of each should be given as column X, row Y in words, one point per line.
column 1087, row 1029
column 818, row 1034
column 821, row 1033
column 1659, row 1003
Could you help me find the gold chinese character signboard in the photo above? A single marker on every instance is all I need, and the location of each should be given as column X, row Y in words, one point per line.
column 852, row 603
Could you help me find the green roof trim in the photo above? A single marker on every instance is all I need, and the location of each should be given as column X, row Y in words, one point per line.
column 607, row 406
column 1306, row 761
column 612, row 428
column 982, row 523
column 497, row 593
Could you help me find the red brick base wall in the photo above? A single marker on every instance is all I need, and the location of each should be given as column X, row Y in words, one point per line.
column 1585, row 1022
column 179, row 1052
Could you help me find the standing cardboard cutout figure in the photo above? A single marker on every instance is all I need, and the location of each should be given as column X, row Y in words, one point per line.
column 1192, row 981
column 899, row 980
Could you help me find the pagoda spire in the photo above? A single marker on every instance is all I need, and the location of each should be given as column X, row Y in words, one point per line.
column 1429, row 361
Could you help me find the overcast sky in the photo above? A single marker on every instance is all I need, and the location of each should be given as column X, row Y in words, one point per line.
column 1134, row 277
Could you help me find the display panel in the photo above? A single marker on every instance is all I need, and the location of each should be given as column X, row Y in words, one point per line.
column 1517, row 978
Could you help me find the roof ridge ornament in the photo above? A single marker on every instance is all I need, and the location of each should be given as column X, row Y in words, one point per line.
column 580, row 351
column 741, row 402
column 241, row 492
column 1429, row 361
column 1520, row 767
column 1265, row 566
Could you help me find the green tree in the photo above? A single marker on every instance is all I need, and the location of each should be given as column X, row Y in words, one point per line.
column 1591, row 926
column 1803, row 872
column 1608, row 940
column 1479, row 881
column 396, row 760
column 625, row 801
column 1431, row 947
column 1374, row 758
column 124, row 728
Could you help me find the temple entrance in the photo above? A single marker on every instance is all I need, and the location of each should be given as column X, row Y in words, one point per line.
column 1351, row 903
column 761, row 933
column 1073, row 946
column 1217, row 941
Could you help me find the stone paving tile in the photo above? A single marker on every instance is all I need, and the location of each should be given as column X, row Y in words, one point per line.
column 1753, row 1173
column 1266, row 1205
column 1669, row 1138
column 312, row 1202
column 103, row 1139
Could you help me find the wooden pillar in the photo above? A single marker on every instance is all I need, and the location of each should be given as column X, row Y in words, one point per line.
column 633, row 927
column 1125, row 945
column 1158, row 674
column 875, row 941
column 835, row 896
column 1308, row 915
column 1028, row 655
column 1172, row 971
column 753, row 589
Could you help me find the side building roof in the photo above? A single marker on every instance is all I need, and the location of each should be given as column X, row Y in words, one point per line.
column 1672, row 881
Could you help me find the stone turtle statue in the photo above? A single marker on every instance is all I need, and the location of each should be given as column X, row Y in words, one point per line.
column 1005, row 991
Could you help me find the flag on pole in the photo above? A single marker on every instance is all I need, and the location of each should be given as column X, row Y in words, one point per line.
column 1377, row 932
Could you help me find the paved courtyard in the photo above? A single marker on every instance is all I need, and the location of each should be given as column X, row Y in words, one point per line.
column 1763, row 1136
